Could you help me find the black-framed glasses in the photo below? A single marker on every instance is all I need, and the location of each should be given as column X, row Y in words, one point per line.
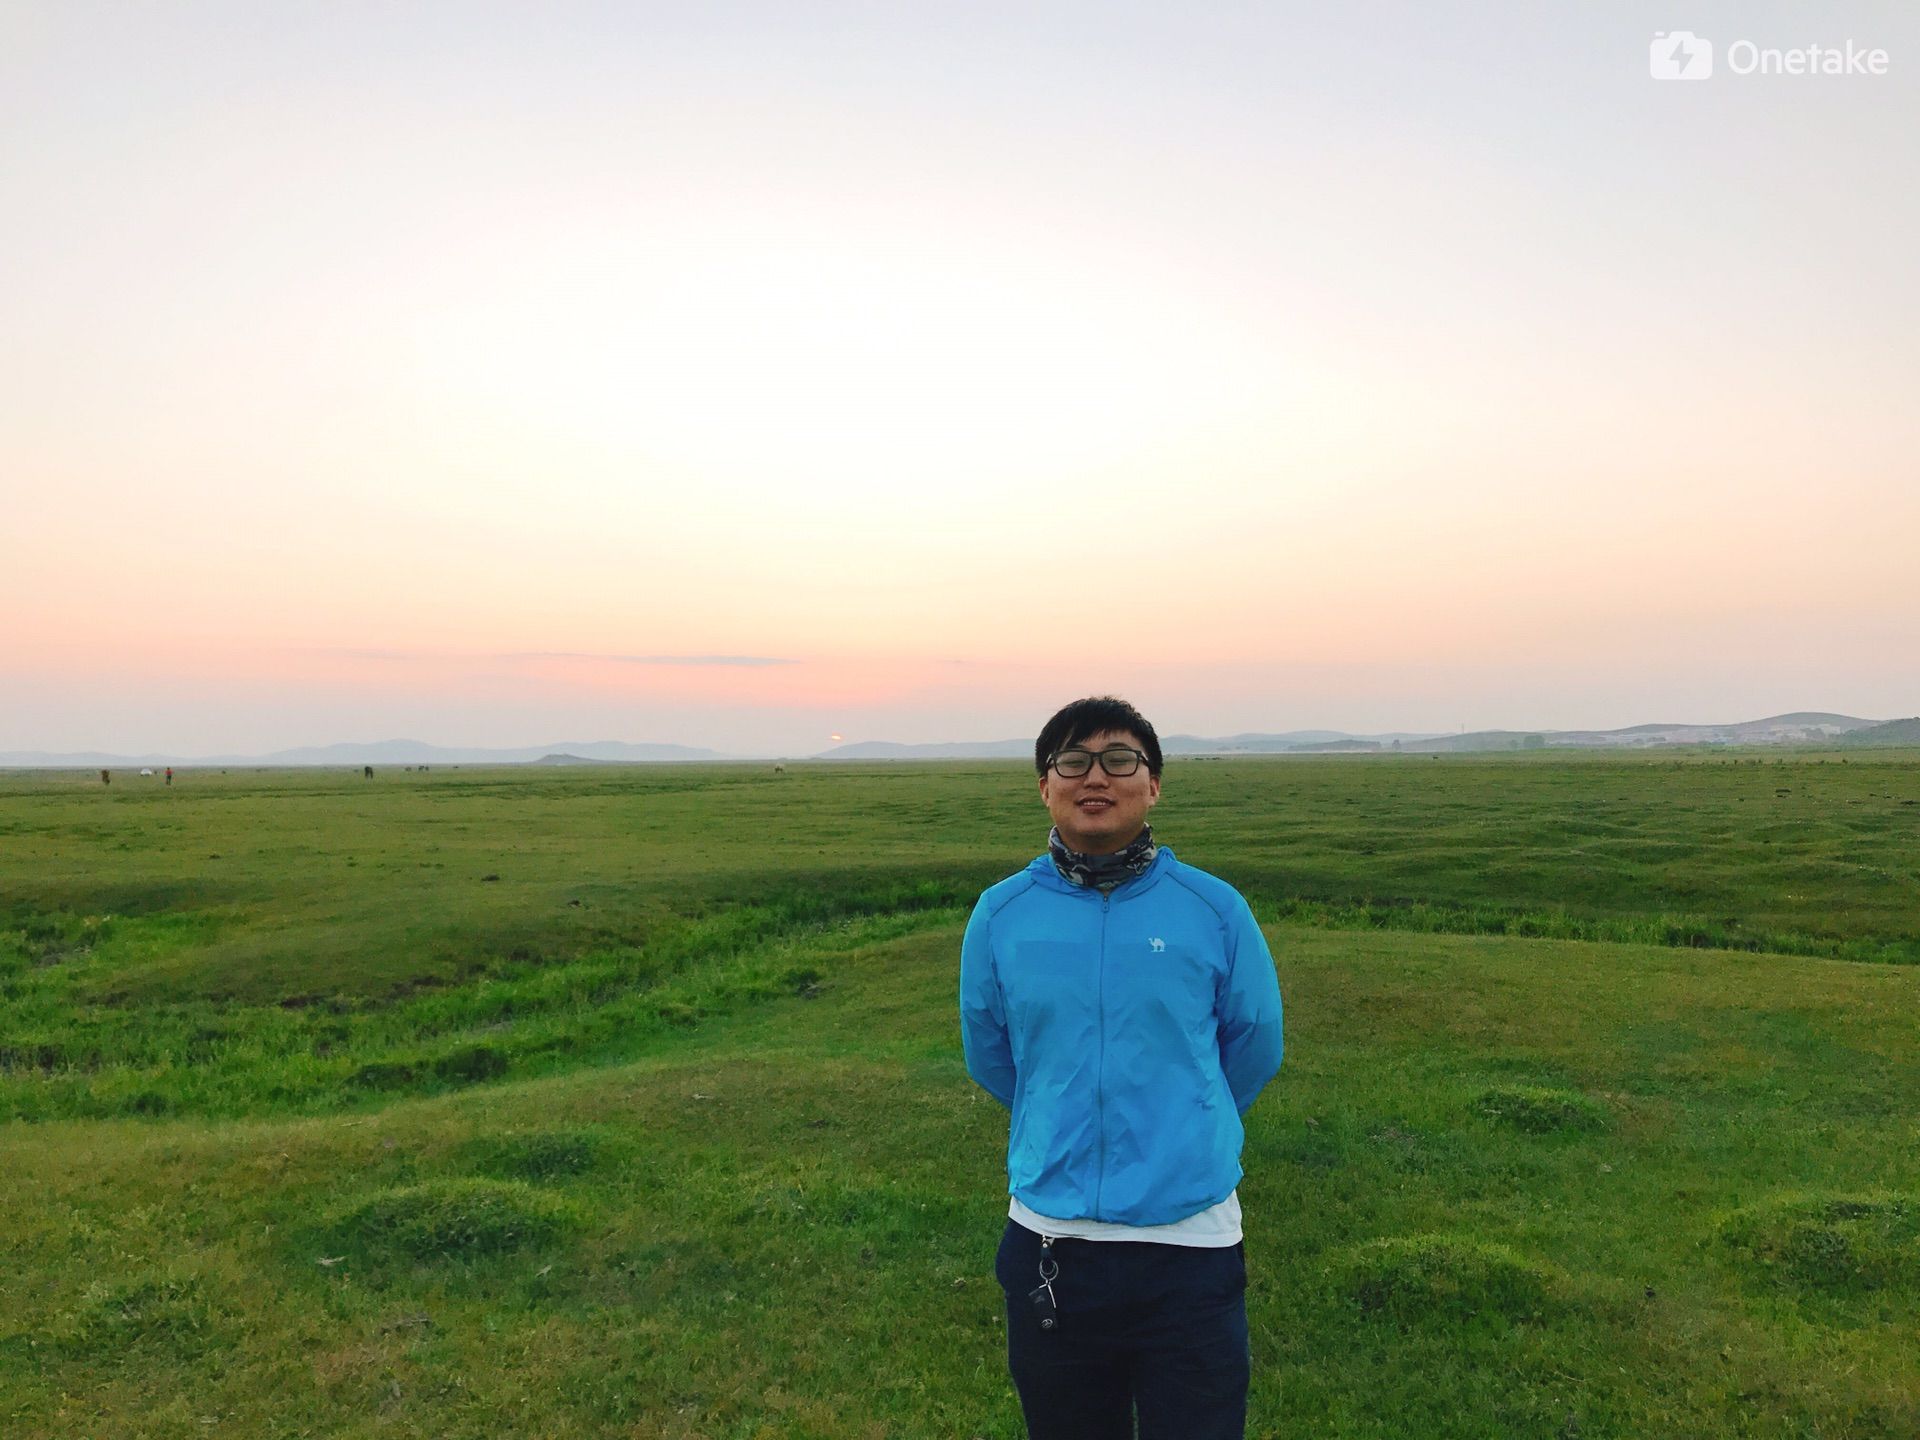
column 1116, row 760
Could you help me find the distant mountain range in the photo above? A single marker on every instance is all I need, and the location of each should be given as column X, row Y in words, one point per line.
column 1799, row 728
column 953, row 750
column 382, row 752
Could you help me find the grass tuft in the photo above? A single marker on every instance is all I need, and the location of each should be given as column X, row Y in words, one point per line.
column 446, row 1219
column 539, row 1155
column 147, row 1314
column 1834, row 1244
column 1542, row 1110
column 1445, row 1277
column 383, row 1075
column 470, row 1064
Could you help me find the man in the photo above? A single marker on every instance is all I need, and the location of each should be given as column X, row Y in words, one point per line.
column 1124, row 1007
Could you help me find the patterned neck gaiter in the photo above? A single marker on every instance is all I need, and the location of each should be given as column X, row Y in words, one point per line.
column 1104, row 873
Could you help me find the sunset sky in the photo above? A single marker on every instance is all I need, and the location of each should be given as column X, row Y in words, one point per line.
column 739, row 374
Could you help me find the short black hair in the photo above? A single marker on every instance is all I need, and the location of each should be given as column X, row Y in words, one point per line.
column 1082, row 718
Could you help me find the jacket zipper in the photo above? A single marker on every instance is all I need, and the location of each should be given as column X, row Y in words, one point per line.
column 1100, row 1070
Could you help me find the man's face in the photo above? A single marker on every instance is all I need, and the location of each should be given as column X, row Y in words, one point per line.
column 1097, row 813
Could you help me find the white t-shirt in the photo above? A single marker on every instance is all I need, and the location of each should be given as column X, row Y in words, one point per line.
column 1214, row 1228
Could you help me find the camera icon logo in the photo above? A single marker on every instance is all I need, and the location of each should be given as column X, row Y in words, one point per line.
column 1679, row 55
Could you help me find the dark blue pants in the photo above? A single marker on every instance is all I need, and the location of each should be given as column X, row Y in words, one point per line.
column 1160, row 1330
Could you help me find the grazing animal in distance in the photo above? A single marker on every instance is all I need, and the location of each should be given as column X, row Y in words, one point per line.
column 106, row 777
column 367, row 770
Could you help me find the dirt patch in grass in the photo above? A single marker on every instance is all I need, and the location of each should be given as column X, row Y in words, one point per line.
column 1542, row 1110
column 444, row 1219
column 1830, row 1244
column 1447, row 1278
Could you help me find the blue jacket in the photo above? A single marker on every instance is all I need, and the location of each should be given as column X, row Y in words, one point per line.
column 1127, row 1033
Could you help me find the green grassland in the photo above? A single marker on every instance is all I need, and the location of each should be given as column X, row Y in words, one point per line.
column 627, row 1101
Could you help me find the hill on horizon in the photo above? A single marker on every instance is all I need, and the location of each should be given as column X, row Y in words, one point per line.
column 1893, row 732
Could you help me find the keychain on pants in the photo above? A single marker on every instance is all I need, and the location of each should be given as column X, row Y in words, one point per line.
column 1045, row 1309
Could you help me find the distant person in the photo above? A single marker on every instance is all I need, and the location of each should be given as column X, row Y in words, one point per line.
column 366, row 771
column 106, row 777
column 1124, row 1007
column 169, row 774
